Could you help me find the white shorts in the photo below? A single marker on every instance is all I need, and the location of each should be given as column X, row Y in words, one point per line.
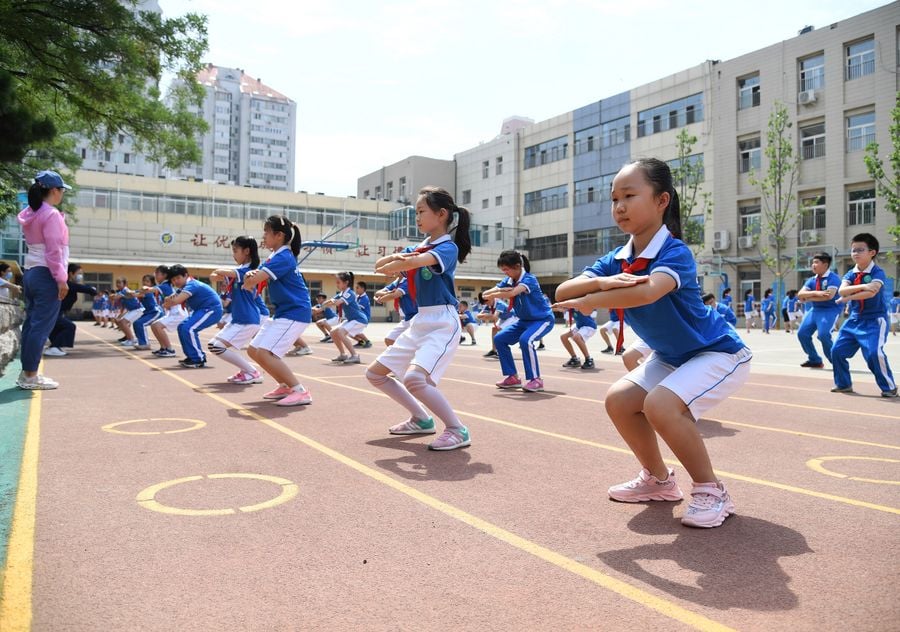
column 132, row 315
column 226, row 319
column 105, row 313
column 394, row 333
column 701, row 382
column 173, row 318
column 641, row 347
column 509, row 322
column 895, row 318
column 278, row 335
column 331, row 322
column 429, row 342
column 794, row 316
column 610, row 326
column 236, row 335
column 97, row 312
column 585, row 332
column 352, row 327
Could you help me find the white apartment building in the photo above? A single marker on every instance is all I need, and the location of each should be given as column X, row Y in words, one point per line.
column 399, row 182
column 252, row 136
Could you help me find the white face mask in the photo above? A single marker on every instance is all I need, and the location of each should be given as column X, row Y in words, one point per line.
column 8, row 276
column 79, row 278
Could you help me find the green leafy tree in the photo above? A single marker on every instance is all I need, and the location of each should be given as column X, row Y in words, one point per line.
column 777, row 191
column 888, row 185
column 93, row 70
column 688, row 176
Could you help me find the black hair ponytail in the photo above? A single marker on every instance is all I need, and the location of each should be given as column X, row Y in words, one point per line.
column 659, row 176
column 250, row 244
column 290, row 231
column 347, row 277
column 36, row 195
column 510, row 258
column 458, row 219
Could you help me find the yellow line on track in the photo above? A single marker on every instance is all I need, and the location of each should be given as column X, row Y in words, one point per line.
column 641, row 597
column 15, row 598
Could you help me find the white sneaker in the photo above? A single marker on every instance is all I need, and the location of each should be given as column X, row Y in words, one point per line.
column 36, row 383
column 299, row 351
column 129, row 343
column 55, row 352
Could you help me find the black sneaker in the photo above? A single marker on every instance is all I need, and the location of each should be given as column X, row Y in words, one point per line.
column 490, row 354
column 573, row 362
column 890, row 393
column 326, row 339
column 359, row 344
column 588, row 364
column 620, row 351
column 367, row 344
column 813, row 365
column 541, row 347
column 842, row 389
column 462, row 339
column 122, row 339
column 192, row 364
column 607, row 350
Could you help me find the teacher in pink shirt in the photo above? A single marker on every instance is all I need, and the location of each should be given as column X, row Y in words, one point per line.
column 46, row 276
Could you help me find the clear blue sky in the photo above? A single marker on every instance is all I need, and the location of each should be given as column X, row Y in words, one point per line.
column 376, row 81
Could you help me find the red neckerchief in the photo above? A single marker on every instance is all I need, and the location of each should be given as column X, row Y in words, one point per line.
column 638, row 265
column 818, row 283
column 571, row 315
column 857, row 281
column 411, row 274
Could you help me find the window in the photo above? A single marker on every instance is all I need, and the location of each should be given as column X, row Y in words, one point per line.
column 403, row 223
column 860, row 131
column 498, row 201
column 550, row 247
column 389, row 191
column 498, row 169
column 467, row 196
column 599, row 241
column 861, row 207
column 812, row 73
column 366, row 194
column 615, row 132
column 547, row 152
column 860, row 59
column 812, row 141
column 498, row 231
column 748, row 92
column 484, row 203
column 546, row 200
column 696, row 165
column 587, row 191
column 378, row 193
column 750, row 218
column 749, row 155
column 686, row 111
column 812, row 212
column 485, row 169
column 403, row 188
column 586, row 140
column 127, row 158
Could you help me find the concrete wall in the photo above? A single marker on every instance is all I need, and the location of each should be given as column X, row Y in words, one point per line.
column 11, row 316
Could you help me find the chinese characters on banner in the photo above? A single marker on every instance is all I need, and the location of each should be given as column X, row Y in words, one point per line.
column 201, row 240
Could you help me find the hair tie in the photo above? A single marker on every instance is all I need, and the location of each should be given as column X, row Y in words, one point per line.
column 454, row 220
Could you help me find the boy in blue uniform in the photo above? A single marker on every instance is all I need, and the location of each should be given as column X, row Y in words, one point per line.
column 583, row 327
column 500, row 316
column 819, row 293
column 895, row 312
column 324, row 317
column 206, row 310
column 722, row 310
column 467, row 320
column 866, row 328
column 362, row 297
column 768, row 309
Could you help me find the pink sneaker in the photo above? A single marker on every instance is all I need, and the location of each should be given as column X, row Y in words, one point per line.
column 647, row 487
column 413, row 426
column 710, row 505
column 278, row 393
column 246, row 378
column 510, row 382
column 534, row 386
column 296, row 398
column 451, row 439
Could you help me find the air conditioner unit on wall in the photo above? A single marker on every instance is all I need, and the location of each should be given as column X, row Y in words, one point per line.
column 809, row 236
column 721, row 240
column 746, row 241
column 807, row 97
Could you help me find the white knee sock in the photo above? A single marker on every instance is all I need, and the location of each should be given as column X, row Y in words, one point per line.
column 418, row 384
column 233, row 356
column 397, row 392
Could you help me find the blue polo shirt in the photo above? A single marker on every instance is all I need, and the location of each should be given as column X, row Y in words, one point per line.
column 585, row 321
column 678, row 326
column 149, row 303
column 165, row 289
column 287, row 288
column 501, row 308
column 435, row 283
column 726, row 313
column 467, row 317
column 727, row 298
column 244, row 305
column 895, row 305
column 328, row 313
column 768, row 305
column 129, row 300
column 365, row 304
column 792, row 304
column 875, row 307
column 407, row 305
column 530, row 305
column 748, row 303
column 201, row 296
column 351, row 309
column 830, row 280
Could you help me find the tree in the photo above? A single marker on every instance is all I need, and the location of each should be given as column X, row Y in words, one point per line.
column 93, row 70
column 688, row 176
column 779, row 213
column 888, row 186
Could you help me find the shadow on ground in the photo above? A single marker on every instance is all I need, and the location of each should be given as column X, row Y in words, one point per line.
column 422, row 464
column 732, row 566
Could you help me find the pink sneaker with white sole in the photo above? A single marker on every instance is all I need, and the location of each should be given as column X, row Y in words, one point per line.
column 647, row 487
column 710, row 505
column 534, row 386
column 510, row 381
column 278, row 393
column 296, row 398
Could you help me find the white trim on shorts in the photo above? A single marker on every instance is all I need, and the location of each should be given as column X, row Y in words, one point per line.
column 429, row 342
column 394, row 333
column 609, row 325
column 509, row 322
column 132, row 314
column 352, row 327
column 226, row 318
column 586, row 333
column 701, row 383
column 278, row 335
column 172, row 319
column 236, row 334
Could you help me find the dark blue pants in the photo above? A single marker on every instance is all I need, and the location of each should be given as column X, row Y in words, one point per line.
column 63, row 332
column 527, row 333
column 140, row 325
column 41, row 311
